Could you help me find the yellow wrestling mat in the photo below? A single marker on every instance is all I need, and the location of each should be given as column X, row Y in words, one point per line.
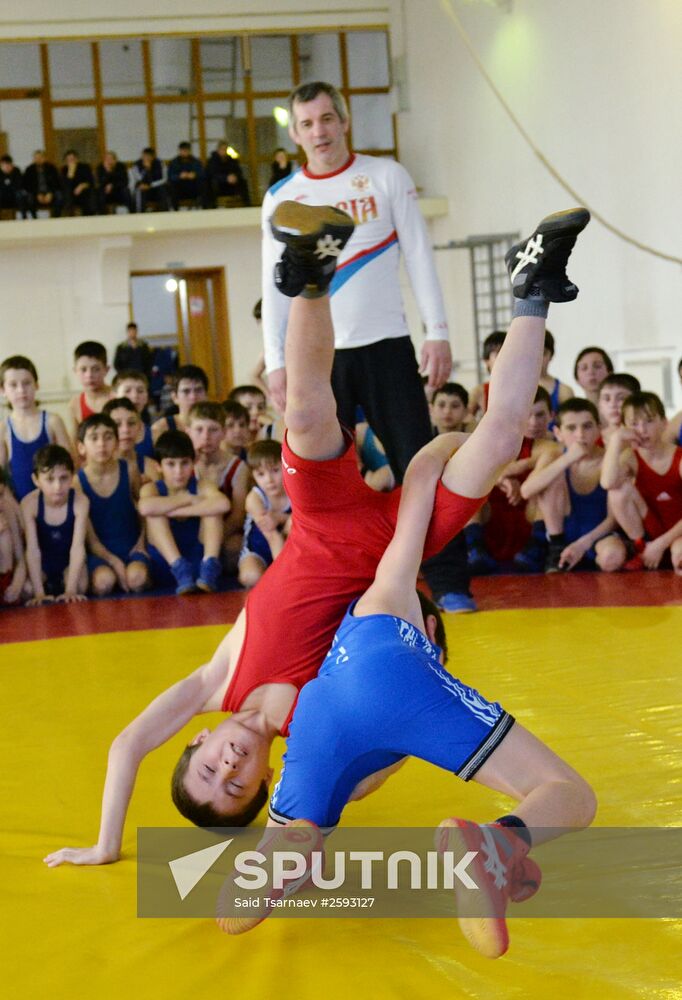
column 602, row 686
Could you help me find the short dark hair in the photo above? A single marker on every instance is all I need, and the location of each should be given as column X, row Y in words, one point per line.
column 542, row 396
column 205, row 814
column 623, row 380
column 592, row 350
column 193, row 373
column 149, row 150
column 268, row 450
column 19, row 363
column 130, row 373
column 6, row 158
column 207, row 411
column 120, row 403
column 50, row 456
column 174, row 444
column 132, row 323
column 647, row 401
column 429, row 608
column 257, row 311
column 242, row 390
column 235, row 410
column 91, row 349
column 96, row 420
column 492, row 343
column 549, row 343
column 184, row 144
column 452, row 389
column 577, row 405
column 309, row 91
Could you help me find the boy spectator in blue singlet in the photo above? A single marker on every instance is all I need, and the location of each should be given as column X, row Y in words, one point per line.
column 129, row 426
column 613, row 392
column 91, row 366
column 382, row 692
column 206, row 428
column 558, row 391
column 184, row 520
column 115, row 537
column 134, row 385
column 189, row 385
column 55, row 521
column 27, row 428
column 12, row 560
column 571, row 501
column 268, row 511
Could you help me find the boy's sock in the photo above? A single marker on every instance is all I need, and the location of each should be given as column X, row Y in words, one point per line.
column 535, row 304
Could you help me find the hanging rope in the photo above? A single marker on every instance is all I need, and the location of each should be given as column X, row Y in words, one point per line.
column 449, row 9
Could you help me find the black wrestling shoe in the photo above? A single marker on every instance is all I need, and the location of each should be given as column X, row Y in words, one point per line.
column 314, row 236
column 539, row 263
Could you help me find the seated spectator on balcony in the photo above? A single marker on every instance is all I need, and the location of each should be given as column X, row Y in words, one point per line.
column 12, row 196
column 148, row 183
column 225, row 178
column 78, row 184
column 185, row 177
column 42, row 185
column 280, row 167
column 112, row 185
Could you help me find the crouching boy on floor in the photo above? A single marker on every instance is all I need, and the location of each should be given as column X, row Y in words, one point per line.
column 184, row 519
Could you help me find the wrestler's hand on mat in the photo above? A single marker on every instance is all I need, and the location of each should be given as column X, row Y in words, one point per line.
column 436, row 362
column 81, row 856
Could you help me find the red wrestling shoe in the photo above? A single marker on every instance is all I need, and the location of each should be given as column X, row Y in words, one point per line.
column 502, row 873
column 301, row 836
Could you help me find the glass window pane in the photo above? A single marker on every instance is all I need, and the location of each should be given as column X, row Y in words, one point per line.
column 367, row 58
column 271, row 62
column 372, row 122
column 71, row 71
column 174, row 124
column 78, row 117
column 225, row 121
column 121, row 68
column 171, row 66
column 126, row 130
column 221, row 65
column 319, row 58
column 22, row 122
column 20, row 66
column 270, row 134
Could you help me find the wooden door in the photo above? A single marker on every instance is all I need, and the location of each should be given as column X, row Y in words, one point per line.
column 204, row 335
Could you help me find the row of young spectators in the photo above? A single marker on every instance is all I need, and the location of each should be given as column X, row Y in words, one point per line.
column 148, row 184
column 120, row 504
column 597, row 483
column 114, row 502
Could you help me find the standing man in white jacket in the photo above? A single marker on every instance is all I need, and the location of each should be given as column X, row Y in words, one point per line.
column 375, row 365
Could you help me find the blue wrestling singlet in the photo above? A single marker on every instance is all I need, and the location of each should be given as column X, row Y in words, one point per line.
column 381, row 695
column 21, row 456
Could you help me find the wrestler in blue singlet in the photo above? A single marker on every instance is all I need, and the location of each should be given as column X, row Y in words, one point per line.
column 21, row 456
column 380, row 695
column 114, row 519
column 54, row 542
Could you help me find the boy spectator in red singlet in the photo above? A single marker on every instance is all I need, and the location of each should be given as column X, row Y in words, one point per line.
column 643, row 474
column 478, row 397
column 206, row 428
column 340, row 530
column 55, row 519
column 565, row 483
column 27, row 428
column 505, row 528
column 12, row 561
column 613, row 392
column 91, row 367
